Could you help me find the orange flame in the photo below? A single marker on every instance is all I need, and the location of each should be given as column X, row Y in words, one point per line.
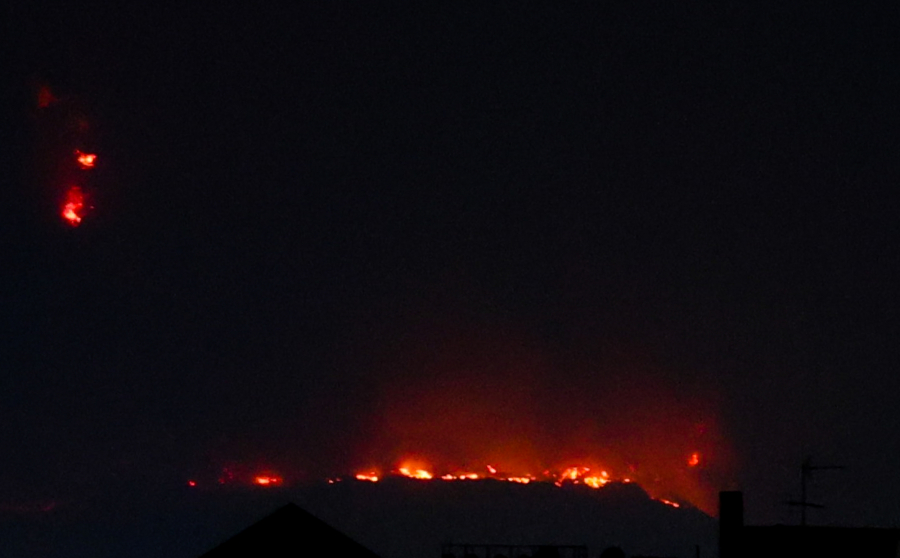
column 85, row 160
column 73, row 208
column 420, row 474
column 461, row 476
column 694, row 459
column 573, row 475
column 264, row 480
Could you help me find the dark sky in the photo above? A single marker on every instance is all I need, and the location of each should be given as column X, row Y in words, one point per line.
column 598, row 226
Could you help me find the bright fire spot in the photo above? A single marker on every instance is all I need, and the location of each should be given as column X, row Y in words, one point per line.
column 416, row 473
column 575, row 475
column 597, row 481
column 192, row 483
column 520, row 480
column 694, row 460
column 461, row 476
column 421, row 474
column 73, row 207
column 267, row 481
column 85, row 160
column 371, row 477
column 491, row 470
column 670, row 503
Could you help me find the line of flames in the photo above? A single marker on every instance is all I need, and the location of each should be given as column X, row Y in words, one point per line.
column 570, row 475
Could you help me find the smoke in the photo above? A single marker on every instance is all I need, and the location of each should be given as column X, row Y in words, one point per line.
column 457, row 399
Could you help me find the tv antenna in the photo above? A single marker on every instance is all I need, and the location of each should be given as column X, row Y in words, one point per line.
column 806, row 471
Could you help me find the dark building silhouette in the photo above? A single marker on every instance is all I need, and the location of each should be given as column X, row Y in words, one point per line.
column 290, row 531
column 737, row 540
column 451, row 550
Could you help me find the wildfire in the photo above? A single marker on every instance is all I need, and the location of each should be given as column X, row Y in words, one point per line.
column 461, row 476
column 73, row 207
column 576, row 475
column 694, row 459
column 85, row 160
column 420, row 474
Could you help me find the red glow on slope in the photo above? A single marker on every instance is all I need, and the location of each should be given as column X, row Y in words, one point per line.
column 575, row 475
column 420, row 474
column 493, row 404
column 73, row 206
column 694, row 459
column 85, row 160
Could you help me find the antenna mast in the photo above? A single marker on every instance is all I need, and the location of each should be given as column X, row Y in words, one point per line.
column 806, row 471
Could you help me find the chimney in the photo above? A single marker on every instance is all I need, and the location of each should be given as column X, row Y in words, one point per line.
column 731, row 523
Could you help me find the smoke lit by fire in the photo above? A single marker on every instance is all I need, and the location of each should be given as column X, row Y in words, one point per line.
column 266, row 480
column 485, row 412
column 475, row 405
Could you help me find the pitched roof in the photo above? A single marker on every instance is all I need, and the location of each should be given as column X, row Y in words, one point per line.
column 289, row 531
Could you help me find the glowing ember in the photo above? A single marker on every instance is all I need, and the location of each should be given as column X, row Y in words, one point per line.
column 85, row 160
column 266, row 480
column 371, row 477
column 73, row 208
column 669, row 503
column 491, row 470
column 694, row 460
column 192, row 483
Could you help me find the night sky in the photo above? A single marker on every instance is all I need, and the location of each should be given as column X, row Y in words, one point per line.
column 328, row 237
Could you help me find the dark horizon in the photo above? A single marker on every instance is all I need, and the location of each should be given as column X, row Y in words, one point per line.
column 329, row 237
